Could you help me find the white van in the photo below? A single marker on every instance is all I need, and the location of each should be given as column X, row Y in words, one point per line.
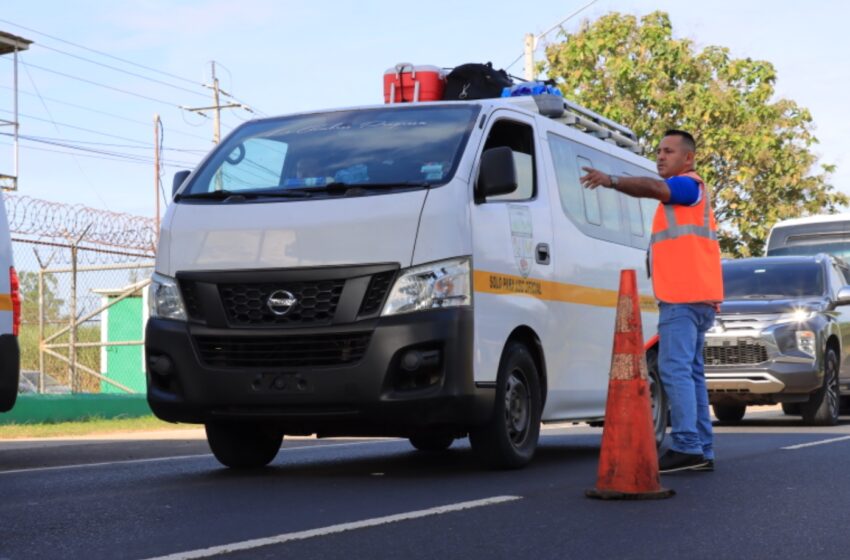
column 427, row 270
column 825, row 233
column 10, row 319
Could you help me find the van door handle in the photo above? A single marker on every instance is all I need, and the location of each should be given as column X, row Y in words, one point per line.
column 541, row 255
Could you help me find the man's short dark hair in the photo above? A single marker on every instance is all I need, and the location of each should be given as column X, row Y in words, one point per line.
column 686, row 137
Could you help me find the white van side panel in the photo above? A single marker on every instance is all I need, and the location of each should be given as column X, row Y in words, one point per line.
column 5, row 263
column 444, row 229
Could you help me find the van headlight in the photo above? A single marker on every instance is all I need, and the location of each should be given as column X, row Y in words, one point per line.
column 164, row 298
column 431, row 286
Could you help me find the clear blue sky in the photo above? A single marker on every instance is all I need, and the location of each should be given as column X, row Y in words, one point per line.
column 287, row 56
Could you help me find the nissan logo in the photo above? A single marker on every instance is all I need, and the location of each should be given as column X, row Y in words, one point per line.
column 281, row 302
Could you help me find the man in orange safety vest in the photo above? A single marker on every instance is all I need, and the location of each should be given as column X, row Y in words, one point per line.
column 687, row 279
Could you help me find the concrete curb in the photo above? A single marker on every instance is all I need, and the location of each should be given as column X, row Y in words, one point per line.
column 36, row 409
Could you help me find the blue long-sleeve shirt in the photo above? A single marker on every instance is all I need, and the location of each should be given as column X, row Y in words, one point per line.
column 683, row 191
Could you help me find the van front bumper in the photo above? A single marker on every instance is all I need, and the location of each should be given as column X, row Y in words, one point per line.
column 390, row 376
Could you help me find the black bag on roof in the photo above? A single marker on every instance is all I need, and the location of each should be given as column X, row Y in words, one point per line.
column 475, row 81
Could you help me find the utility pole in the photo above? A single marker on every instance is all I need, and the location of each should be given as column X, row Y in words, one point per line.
column 12, row 44
column 156, row 168
column 530, row 46
column 216, row 107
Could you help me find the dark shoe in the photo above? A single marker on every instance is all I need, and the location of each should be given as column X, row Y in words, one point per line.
column 708, row 467
column 673, row 461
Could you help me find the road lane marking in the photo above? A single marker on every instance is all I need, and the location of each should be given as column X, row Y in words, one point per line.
column 821, row 442
column 182, row 457
column 333, row 529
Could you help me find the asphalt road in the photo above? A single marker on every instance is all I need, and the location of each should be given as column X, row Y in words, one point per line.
column 164, row 494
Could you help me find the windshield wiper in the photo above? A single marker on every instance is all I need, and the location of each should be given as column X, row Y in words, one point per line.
column 225, row 194
column 342, row 187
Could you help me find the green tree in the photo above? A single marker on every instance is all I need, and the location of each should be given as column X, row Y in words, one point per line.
column 755, row 151
column 29, row 295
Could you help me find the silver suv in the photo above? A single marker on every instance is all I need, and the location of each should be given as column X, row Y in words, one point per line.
column 782, row 336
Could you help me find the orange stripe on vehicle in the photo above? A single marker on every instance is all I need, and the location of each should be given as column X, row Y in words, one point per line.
column 508, row 284
column 5, row 302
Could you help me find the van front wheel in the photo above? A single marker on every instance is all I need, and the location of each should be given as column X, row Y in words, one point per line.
column 509, row 438
column 243, row 445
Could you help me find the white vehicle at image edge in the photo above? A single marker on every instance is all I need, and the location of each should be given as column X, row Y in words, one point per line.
column 420, row 270
column 10, row 319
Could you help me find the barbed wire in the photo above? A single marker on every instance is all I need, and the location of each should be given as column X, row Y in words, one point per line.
column 87, row 227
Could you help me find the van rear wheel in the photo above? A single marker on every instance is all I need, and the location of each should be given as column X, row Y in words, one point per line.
column 243, row 445
column 509, row 439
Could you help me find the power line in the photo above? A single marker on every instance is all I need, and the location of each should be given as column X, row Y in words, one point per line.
column 76, row 161
column 122, row 70
column 113, row 145
column 105, row 86
column 149, row 162
column 101, row 53
column 133, row 140
column 560, row 23
column 105, row 113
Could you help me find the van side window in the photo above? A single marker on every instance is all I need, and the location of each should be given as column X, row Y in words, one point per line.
column 572, row 197
column 649, row 206
column 591, row 196
column 519, row 138
column 633, row 206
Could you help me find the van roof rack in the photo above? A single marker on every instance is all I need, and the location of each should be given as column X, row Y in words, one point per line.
column 573, row 114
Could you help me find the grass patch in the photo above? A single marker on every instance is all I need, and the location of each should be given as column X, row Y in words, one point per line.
column 89, row 427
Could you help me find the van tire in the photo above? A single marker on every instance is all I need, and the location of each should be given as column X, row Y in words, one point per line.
column 822, row 408
column 243, row 445
column 432, row 442
column 509, row 439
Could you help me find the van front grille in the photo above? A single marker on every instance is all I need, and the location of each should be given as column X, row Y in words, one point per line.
column 284, row 352
column 247, row 305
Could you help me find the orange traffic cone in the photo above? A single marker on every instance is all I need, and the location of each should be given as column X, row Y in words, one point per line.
column 628, row 461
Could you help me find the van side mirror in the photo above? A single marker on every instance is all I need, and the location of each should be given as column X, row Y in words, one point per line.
column 497, row 174
column 178, row 180
column 843, row 296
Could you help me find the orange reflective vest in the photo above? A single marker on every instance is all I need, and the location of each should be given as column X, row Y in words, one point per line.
column 684, row 253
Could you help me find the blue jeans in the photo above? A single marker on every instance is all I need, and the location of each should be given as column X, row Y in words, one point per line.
column 681, row 332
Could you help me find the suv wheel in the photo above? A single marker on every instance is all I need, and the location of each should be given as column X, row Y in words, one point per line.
column 791, row 408
column 822, row 408
column 730, row 413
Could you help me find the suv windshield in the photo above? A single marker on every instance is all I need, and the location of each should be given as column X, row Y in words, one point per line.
column 367, row 148
column 759, row 279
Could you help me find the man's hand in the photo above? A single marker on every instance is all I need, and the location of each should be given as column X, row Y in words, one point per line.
column 595, row 178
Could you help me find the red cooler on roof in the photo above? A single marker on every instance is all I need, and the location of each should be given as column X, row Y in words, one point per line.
column 405, row 83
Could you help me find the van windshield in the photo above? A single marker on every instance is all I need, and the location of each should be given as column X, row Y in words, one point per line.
column 764, row 280
column 839, row 249
column 378, row 148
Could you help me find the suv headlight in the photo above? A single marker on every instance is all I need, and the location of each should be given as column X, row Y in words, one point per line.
column 431, row 286
column 796, row 316
column 806, row 342
column 164, row 299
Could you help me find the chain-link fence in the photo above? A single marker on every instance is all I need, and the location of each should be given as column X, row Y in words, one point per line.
column 82, row 273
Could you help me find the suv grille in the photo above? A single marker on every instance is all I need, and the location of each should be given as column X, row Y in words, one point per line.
column 746, row 351
column 282, row 351
column 246, row 305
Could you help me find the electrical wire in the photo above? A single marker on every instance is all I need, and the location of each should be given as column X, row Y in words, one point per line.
column 560, row 23
column 161, row 82
column 101, row 53
column 104, row 113
column 148, row 162
column 98, row 84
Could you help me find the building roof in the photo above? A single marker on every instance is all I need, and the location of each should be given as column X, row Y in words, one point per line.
column 10, row 43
